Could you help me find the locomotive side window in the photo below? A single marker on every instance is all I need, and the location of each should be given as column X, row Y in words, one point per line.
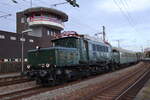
column 94, row 47
column 99, row 48
column 106, row 48
column 103, row 48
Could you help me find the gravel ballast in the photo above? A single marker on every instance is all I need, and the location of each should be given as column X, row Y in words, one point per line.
column 73, row 92
column 17, row 87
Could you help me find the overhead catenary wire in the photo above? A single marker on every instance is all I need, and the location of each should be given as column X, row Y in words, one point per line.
column 3, row 12
column 77, row 22
column 125, row 15
column 126, row 3
column 125, row 6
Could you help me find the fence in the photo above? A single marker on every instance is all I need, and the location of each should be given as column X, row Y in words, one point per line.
column 10, row 67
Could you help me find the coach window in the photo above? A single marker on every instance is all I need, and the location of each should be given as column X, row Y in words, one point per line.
column 2, row 37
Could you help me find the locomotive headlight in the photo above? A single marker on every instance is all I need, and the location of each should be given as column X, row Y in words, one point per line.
column 28, row 66
column 42, row 65
column 47, row 65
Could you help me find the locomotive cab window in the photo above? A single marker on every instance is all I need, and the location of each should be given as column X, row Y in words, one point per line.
column 70, row 42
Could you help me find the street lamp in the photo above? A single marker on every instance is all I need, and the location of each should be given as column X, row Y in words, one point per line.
column 22, row 48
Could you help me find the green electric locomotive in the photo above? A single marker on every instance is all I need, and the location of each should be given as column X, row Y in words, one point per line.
column 72, row 57
column 69, row 58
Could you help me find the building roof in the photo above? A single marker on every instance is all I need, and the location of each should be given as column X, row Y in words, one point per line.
column 63, row 15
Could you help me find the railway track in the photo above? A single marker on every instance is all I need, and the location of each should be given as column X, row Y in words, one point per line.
column 131, row 91
column 9, row 78
column 12, row 80
column 123, row 89
column 33, row 91
column 17, row 95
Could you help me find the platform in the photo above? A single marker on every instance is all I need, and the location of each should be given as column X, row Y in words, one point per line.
column 9, row 75
column 144, row 93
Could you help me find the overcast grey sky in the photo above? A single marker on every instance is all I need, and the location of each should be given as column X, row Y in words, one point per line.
column 128, row 22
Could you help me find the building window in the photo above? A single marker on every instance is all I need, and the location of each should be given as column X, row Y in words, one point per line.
column 2, row 37
column 48, row 32
column 12, row 38
column 22, row 39
column 22, row 20
column 5, row 60
column 16, row 60
column 31, row 40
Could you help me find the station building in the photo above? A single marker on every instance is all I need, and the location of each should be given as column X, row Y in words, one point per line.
column 147, row 52
column 45, row 24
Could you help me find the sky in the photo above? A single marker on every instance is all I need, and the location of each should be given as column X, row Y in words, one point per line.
column 125, row 20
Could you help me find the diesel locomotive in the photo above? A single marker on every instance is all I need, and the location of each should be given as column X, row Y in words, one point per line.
column 75, row 56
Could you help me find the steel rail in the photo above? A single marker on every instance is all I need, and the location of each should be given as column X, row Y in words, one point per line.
column 113, row 84
column 124, row 92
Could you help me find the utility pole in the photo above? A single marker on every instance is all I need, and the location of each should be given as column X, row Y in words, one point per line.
column 22, row 47
column 31, row 3
column 142, row 50
column 104, row 34
column 118, row 41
